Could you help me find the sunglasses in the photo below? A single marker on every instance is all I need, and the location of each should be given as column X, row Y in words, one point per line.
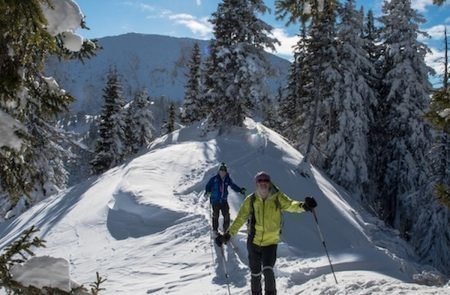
column 263, row 180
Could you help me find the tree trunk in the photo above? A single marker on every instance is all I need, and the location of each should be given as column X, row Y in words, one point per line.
column 313, row 120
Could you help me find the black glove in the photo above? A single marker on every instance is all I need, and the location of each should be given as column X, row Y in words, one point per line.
column 243, row 191
column 219, row 240
column 222, row 239
column 309, row 204
column 226, row 237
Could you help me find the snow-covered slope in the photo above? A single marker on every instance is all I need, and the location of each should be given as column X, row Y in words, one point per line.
column 145, row 225
column 155, row 62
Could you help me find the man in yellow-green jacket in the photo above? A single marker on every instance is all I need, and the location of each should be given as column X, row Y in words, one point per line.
column 263, row 211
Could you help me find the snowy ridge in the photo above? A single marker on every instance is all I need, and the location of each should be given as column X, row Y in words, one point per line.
column 155, row 62
column 145, row 225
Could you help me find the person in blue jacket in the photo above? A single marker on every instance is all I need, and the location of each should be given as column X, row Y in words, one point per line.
column 217, row 189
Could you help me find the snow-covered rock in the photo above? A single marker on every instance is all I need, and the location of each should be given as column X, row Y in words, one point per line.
column 44, row 271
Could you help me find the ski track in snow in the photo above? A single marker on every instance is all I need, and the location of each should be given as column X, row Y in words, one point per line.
column 145, row 226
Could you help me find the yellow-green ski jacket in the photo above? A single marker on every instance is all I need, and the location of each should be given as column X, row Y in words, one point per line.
column 267, row 215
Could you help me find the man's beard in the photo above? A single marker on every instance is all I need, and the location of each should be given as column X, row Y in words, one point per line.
column 263, row 192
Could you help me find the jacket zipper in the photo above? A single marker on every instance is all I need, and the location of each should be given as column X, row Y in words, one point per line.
column 223, row 190
column 263, row 217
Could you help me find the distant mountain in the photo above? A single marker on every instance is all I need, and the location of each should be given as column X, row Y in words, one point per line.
column 155, row 62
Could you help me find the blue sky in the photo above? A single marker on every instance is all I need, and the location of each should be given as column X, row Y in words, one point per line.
column 189, row 18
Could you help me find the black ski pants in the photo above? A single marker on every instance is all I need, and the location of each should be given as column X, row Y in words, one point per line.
column 225, row 209
column 261, row 261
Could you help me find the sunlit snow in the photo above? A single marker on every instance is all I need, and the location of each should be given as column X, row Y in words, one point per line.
column 145, row 225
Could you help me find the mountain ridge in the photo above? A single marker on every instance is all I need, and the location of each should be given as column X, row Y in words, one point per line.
column 155, row 62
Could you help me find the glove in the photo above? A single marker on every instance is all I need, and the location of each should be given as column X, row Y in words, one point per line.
column 222, row 239
column 219, row 240
column 226, row 237
column 309, row 204
column 243, row 191
column 209, row 196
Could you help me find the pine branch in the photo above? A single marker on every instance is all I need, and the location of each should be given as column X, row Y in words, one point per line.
column 442, row 193
column 22, row 248
column 7, row 260
column 95, row 286
column 438, row 2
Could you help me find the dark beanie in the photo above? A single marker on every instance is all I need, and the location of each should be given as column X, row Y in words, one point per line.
column 223, row 167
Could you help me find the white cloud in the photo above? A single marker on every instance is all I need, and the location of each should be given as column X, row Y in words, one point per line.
column 436, row 32
column 447, row 20
column 197, row 26
column 435, row 59
column 161, row 13
column 146, row 7
column 420, row 5
column 286, row 48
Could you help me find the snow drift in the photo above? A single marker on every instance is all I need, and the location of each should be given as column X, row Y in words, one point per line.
column 145, row 225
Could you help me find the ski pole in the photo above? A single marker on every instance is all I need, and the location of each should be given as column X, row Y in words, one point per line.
column 210, row 230
column 225, row 269
column 221, row 249
column 323, row 243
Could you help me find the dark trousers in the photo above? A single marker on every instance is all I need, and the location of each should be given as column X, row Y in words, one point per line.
column 261, row 261
column 217, row 208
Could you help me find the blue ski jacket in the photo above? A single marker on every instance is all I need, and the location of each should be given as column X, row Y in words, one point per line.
column 219, row 188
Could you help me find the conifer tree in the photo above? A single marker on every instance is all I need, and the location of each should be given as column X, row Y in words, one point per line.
column 321, row 75
column 319, row 70
column 347, row 144
column 32, row 99
column 300, row 81
column 371, row 33
column 424, row 224
column 371, row 37
column 169, row 125
column 288, row 108
column 402, row 137
column 295, row 10
column 139, row 127
column 429, row 217
column 278, row 122
column 210, row 90
column 268, row 112
column 192, row 106
column 439, row 117
column 111, row 145
column 240, row 39
column 429, row 231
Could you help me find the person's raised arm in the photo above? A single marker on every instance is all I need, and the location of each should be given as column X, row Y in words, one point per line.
column 236, row 188
column 289, row 205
